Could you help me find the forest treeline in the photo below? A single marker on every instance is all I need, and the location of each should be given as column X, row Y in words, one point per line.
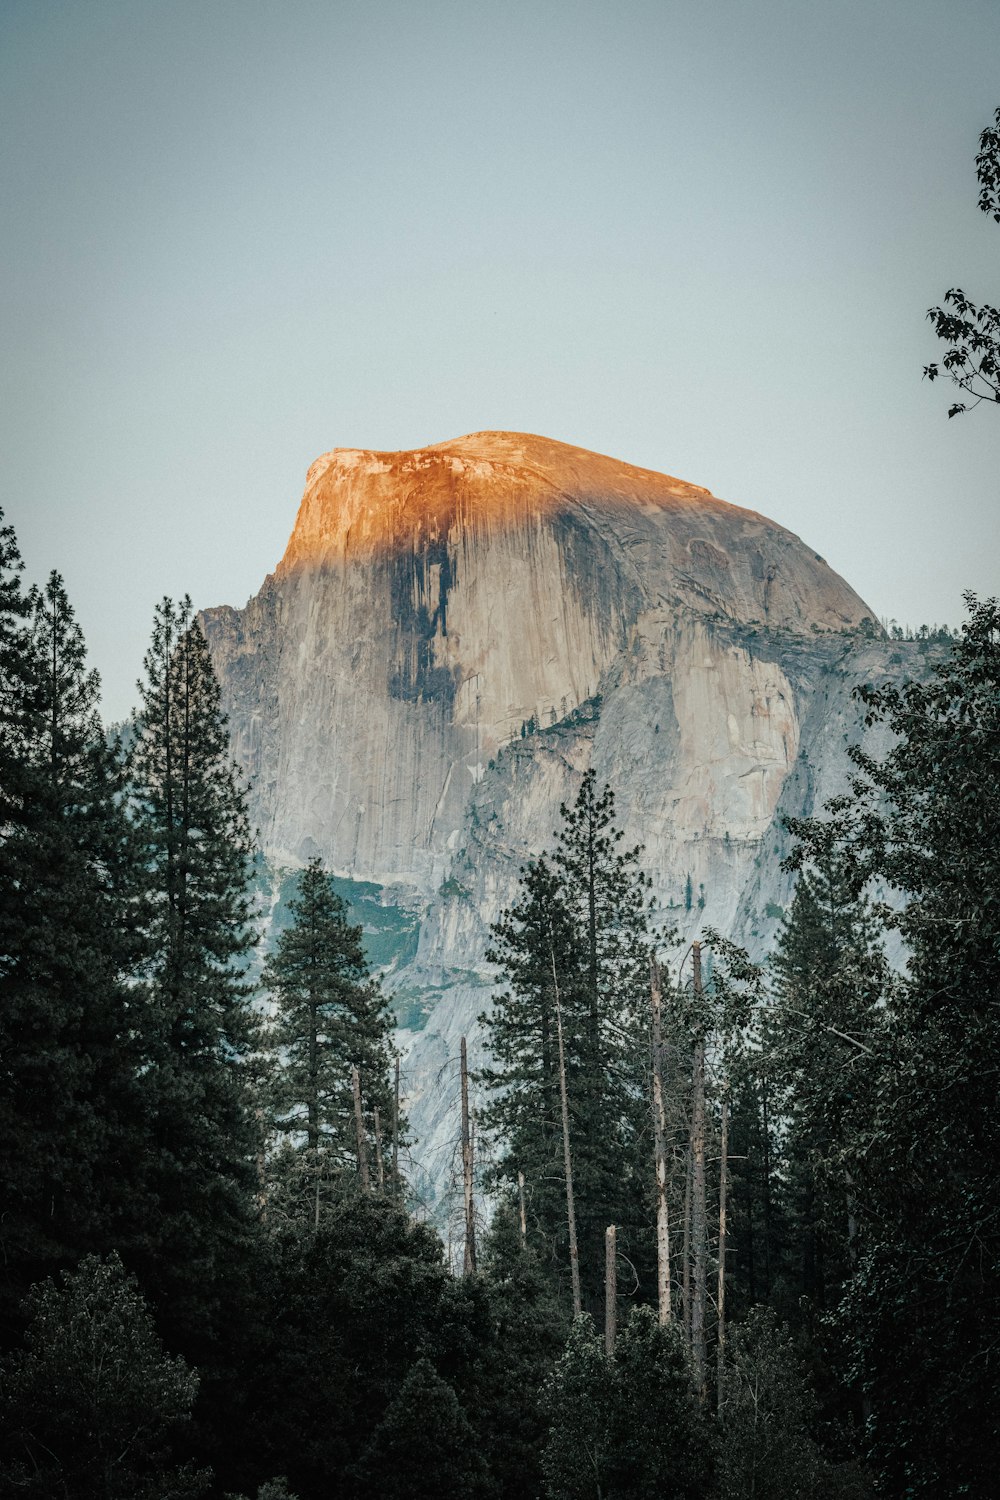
column 744, row 1221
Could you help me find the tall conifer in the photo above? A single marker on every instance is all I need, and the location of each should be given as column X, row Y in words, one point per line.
column 579, row 926
column 195, row 846
column 330, row 1017
column 66, row 1031
column 829, row 980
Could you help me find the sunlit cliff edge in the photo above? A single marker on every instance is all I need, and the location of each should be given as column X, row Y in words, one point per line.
column 456, row 633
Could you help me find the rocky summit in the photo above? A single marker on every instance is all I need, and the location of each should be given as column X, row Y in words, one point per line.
column 455, row 634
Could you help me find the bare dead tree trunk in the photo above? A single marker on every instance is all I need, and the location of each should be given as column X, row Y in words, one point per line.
column 610, row 1290
column 660, row 1147
column 395, row 1134
column 574, row 1254
column 379, row 1159
column 359, row 1130
column 524, row 1216
column 469, row 1259
column 699, row 1206
column 721, row 1295
column 766, row 1123
column 686, row 1250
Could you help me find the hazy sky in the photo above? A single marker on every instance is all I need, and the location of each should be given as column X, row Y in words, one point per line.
column 698, row 236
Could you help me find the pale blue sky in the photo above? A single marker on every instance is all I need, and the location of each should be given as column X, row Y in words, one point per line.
column 701, row 237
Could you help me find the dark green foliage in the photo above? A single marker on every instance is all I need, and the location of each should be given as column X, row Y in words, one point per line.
column 527, row 1330
column 765, row 1446
column 346, row 1311
column 199, row 1029
column 757, row 1219
column 823, row 1031
column 576, row 934
column 919, row 1318
column 329, row 1017
column 423, row 1447
column 627, row 1428
column 972, row 361
column 91, row 1405
column 67, row 1061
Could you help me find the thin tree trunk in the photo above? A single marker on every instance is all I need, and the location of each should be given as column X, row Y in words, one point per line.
column 699, row 1208
column 469, row 1258
column 765, row 1116
column 574, row 1254
column 721, row 1295
column 359, row 1130
column 395, row 1134
column 660, row 1149
column 686, row 1251
column 524, row 1216
column 610, row 1290
column 379, row 1160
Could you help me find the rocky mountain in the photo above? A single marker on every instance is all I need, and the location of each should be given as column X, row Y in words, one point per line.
column 455, row 634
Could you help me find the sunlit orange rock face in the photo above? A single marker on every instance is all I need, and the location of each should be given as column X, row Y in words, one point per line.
column 433, row 605
column 486, row 485
column 359, row 500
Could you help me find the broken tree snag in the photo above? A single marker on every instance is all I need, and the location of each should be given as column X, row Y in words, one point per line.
column 469, row 1261
column 610, row 1290
column 359, row 1131
column 379, row 1160
column 721, row 1294
column 524, row 1216
column 659, row 1146
column 574, row 1254
column 699, row 1207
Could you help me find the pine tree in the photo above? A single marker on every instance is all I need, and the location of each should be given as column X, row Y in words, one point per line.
column 200, row 1029
column 830, row 978
column 535, row 943
column 348, row 1309
column 67, row 1105
column 424, row 1446
column 528, row 1327
column 920, row 1312
column 627, row 1428
column 330, row 1017
column 91, row 1404
column 577, row 929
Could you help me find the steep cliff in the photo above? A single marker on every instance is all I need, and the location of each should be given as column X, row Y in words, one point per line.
column 455, row 634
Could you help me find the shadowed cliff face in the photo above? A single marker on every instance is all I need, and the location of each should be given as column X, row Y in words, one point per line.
column 455, row 634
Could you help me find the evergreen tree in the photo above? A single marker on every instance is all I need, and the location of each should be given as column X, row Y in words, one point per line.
column 347, row 1310
column 627, row 1428
column 423, row 1447
column 920, row 1313
column 577, row 933
column 200, row 1030
column 330, row 1017
column 535, row 943
column 527, row 1334
column 67, row 1102
column 830, row 979
column 91, row 1406
column 767, row 1409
